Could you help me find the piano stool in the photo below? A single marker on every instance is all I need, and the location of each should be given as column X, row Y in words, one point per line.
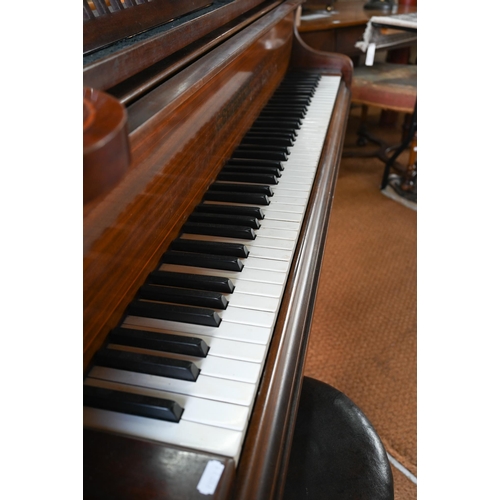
column 389, row 87
column 336, row 453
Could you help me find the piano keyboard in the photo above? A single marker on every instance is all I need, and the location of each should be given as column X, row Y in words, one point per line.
column 184, row 366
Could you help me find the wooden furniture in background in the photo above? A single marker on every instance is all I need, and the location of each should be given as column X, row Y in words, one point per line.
column 390, row 87
column 339, row 30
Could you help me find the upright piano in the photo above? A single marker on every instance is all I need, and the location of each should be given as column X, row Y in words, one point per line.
column 212, row 143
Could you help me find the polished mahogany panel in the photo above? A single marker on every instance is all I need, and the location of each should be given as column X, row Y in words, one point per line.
column 117, row 467
column 111, row 25
column 105, row 71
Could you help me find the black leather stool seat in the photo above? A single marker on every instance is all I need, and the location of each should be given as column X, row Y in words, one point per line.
column 336, row 453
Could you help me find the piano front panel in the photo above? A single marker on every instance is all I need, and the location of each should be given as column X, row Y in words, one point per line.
column 123, row 468
column 176, row 153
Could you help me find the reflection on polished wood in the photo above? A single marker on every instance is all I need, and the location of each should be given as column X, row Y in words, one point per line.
column 106, row 154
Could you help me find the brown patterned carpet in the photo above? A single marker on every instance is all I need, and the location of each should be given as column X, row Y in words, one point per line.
column 363, row 339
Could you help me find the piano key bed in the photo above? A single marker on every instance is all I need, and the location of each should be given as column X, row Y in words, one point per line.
column 184, row 366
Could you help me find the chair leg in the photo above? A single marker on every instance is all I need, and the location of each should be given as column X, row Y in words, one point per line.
column 411, row 136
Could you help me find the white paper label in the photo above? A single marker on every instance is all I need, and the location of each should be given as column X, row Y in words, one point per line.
column 370, row 54
column 210, row 477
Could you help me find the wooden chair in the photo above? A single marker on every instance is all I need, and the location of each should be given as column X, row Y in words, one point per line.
column 336, row 453
column 390, row 87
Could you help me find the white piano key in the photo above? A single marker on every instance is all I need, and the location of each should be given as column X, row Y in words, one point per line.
column 295, row 183
column 295, row 177
column 289, row 200
column 293, row 194
column 244, row 316
column 274, row 224
column 226, row 330
column 287, row 207
column 191, row 435
column 271, row 214
column 281, row 234
column 253, row 262
column 202, row 411
column 254, row 301
column 271, row 253
column 218, row 389
column 261, row 289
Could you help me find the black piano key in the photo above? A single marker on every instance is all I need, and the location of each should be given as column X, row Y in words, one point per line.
column 259, row 154
column 165, row 342
column 172, row 312
column 223, row 262
column 187, row 280
column 278, row 111
column 185, row 296
column 253, row 138
column 210, row 247
column 295, row 94
column 132, row 404
column 234, row 220
column 288, row 102
column 288, row 105
column 249, row 146
column 298, row 83
column 245, row 198
column 300, row 77
column 148, row 364
column 252, row 169
column 230, row 209
column 241, row 188
column 276, row 121
column 294, row 90
column 275, row 131
column 292, row 99
column 249, row 169
column 297, row 88
column 257, row 162
column 226, row 231
column 269, row 179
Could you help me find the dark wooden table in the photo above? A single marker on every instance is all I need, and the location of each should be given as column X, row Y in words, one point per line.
column 340, row 29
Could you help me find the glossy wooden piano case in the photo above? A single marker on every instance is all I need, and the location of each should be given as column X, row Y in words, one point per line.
column 181, row 133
